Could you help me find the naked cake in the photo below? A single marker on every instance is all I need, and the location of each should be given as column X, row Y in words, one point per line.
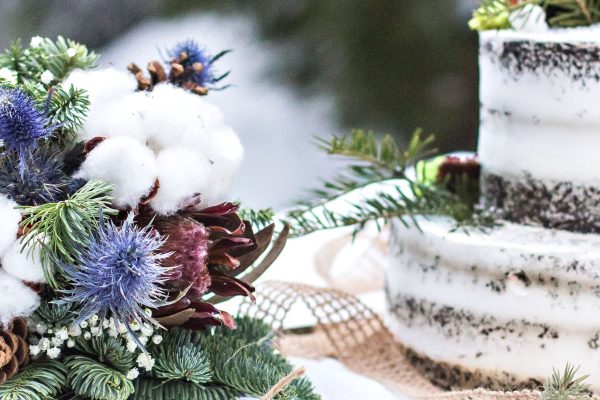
column 501, row 307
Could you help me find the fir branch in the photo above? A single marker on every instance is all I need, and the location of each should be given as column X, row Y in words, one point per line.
column 179, row 358
column 572, row 13
column 53, row 314
column 89, row 378
column 42, row 380
column 67, row 112
column 59, row 57
column 59, row 229
column 405, row 198
column 259, row 219
column 566, row 386
column 155, row 389
column 107, row 350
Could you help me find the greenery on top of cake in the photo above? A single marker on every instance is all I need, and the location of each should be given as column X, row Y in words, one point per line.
column 495, row 14
column 411, row 185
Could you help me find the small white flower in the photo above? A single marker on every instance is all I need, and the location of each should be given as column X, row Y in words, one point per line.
column 8, row 75
column 62, row 333
column 133, row 374
column 144, row 340
column 46, row 77
column 71, row 52
column 106, row 323
column 157, row 339
column 147, row 330
column 70, row 343
column 83, row 324
column 95, row 331
column 131, row 346
column 57, row 342
column 53, row 353
column 122, row 329
column 94, row 320
column 113, row 332
column 44, row 344
column 145, row 361
column 36, row 41
column 74, row 331
column 87, row 336
column 41, row 328
column 34, row 350
column 135, row 326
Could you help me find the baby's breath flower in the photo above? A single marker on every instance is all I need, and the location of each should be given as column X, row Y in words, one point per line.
column 53, row 353
column 36, row 41
column 145, row 360
column 133, row 373
column 46, row 77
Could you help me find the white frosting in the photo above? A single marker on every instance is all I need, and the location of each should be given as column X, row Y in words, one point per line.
column 456, row 270
column 544, row 121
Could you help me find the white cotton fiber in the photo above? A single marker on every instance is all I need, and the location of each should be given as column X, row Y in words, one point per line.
column 17, row 300
column 122, row 116
column 10, row 217
column 196, row 152
column 25, row 265
column 179, row 117
column 182, row 175
column 102, row 84
column 125, row 163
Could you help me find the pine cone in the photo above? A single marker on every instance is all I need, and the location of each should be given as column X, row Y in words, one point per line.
column 14, row 350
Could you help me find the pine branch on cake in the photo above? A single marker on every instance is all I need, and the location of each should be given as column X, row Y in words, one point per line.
column 382, row 161
column 566, row 386
column 572, row 13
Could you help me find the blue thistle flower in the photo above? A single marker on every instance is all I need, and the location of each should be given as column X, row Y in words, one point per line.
column 118, row 274
column 41, row 181
column 22, row 124
column 194, row 54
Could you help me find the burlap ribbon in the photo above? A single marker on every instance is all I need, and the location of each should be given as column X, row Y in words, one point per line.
column 346, row 329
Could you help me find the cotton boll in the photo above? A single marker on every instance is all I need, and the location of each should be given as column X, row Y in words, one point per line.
column 125, row 163
column 122, row 116
column 25, row 265
column 10, row 217
column 17, row 299
column 183, row 174
column 227, row 153
column 102, row 84
column 176, row 116
column 530, row 18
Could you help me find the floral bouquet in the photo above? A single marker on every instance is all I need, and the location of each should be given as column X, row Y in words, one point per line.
column 116, row 243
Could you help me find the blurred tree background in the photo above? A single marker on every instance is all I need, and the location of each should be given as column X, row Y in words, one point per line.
column 390, row 65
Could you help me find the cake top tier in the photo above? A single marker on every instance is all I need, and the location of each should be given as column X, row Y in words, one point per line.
column 540, row 126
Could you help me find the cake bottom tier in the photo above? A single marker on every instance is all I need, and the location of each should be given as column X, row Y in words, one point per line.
column 499, row 308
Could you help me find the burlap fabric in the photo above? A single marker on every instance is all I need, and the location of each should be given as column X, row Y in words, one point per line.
column 346, row 329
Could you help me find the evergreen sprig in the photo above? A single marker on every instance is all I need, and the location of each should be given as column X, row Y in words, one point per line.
column 67, row 111
column 379, row 161
column 59, row 57
column 53, row 314
column 566, row 385
column 42, row 380
column 258, row 218
column 494, row 14
column 92, row 379
column 156, row 389
column 107, row 350
column 60, row 228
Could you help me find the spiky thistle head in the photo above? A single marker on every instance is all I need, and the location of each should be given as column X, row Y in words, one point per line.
column 41, row 181
column 191, row 56
column 22, row 124
column 118, row 273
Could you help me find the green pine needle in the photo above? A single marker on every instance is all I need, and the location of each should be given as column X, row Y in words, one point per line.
column 42, row 380
column 379, row 161
column 60, row 57
column 91, row 379
column 566, row 386
column 59, row 229
column 258, row 218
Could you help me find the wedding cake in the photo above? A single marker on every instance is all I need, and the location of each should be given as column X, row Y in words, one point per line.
column 501, row 307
